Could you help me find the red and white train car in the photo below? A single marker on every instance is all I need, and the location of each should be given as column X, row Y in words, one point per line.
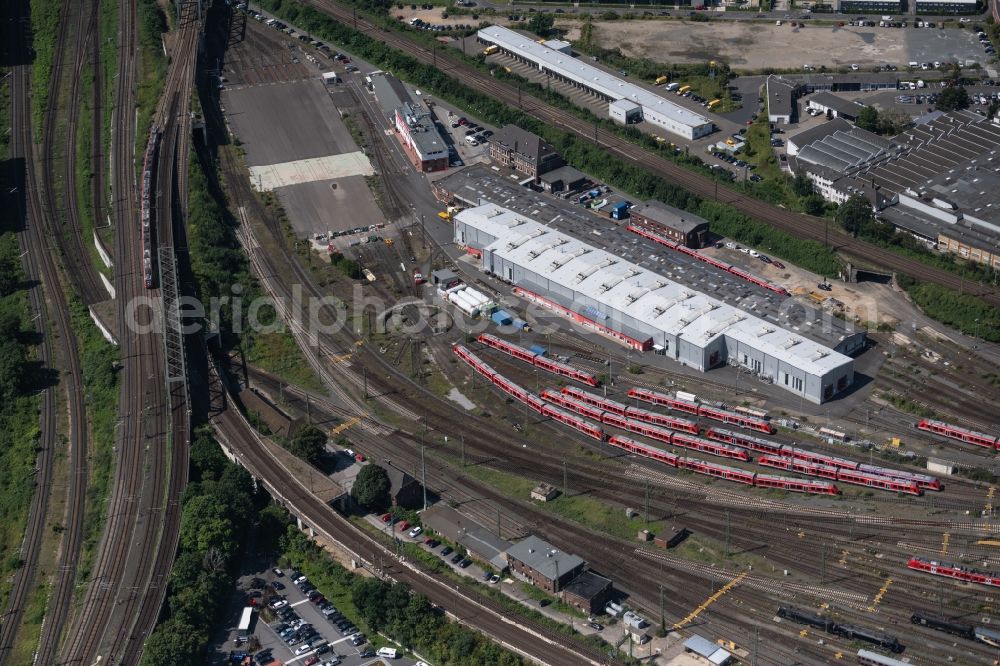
column 573, row 421
column 703, row 410
column 841, row 474
column 596, row 400
column 477, row 363
column 536, row 359
column 671, row 422
column 956, row 571
column 961, row 434
column 664, row 400
column 746, row 441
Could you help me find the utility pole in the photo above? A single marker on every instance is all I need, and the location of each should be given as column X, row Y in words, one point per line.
column 423, row 474
column 366, row 381
column 565, row 481
column 309, row 418
column 663, row 618
column 822, row 573
column 463, row 450
column 423, row 232
column 498, row 520
column 756, row 638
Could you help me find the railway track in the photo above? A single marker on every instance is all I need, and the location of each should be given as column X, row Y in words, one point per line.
column 42, row 267
column 801, row 226
column 503, row 449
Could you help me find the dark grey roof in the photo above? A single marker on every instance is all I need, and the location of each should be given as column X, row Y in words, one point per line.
column 780, row 96
column 464, row 531
column 588, row 585
column 566, row 174
column 844, row 150
column 523, row 142
column 543, row 557
column 822, row 130
column 423, row 131
column 398, row 479
column 390, row 93
column 675, row 218
column 838, row 104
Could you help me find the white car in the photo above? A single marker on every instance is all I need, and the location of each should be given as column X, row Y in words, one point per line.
column 302, row 649
column 754, row 253
column 731, row 245
column 276, row 605
column 415, row 532
column 300, row 579
column 745, row 250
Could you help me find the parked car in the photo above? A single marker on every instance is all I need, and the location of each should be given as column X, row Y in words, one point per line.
column 494, row 579
column 457, row 558
column 415, row 532
column 446, row 551
column 465, row 563
column 302, row 649
column 278, row 572
column 277, row 585
column 777, row 264
column 279, row 603
column 597, row 626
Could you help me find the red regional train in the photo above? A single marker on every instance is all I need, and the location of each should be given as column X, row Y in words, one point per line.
column 961, row 434
column 147, row 211
column 956, row 571
column 681, row 439
column 722, row 471
column 672, row 422
column 539, row 361
column 844, row 475
column 703, row 410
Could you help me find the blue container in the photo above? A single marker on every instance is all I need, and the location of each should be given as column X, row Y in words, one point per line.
column 520, row 324
column 540, row 350
column 501, row 318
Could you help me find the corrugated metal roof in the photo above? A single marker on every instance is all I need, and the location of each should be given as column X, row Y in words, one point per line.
column 593, row 77
column 649, row 298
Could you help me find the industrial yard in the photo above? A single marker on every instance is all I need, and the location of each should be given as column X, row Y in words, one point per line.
column 481, row 378
column 749, row 45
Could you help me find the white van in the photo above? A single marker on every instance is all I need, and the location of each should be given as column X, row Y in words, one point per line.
column 388, row 653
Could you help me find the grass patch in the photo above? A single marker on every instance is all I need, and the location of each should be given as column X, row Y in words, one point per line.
column 279, row 354
column 31, row 624
column 152, row 71
column 84, row 165
column 100, row 383
column 44, row 26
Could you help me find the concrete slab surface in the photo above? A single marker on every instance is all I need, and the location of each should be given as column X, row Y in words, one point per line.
column 330, row 205
column 272, row 176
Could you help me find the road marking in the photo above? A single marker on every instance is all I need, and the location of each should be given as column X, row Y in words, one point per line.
column 298, row 603
column 881, row 593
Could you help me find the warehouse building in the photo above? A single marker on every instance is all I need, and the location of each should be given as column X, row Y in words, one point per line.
column 937, row 181
column 871, row 6
column 415, row 127
column 834, row 106
column 655, row 109
column 781, row 96
column 941, row 7
column 523, row 151
column 642, row 309
column 543, row 565
column 674, row 223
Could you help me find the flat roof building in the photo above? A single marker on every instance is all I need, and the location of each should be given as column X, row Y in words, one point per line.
column 871, row 6
column 656, row 109
column 543, row 564
column 588, row 592
column 523, row 151
column 938, row 7
column 415, row 127
column 481, row 543
column 676, row 224
column 781, row 96
column 565, row 178
column 605, row 293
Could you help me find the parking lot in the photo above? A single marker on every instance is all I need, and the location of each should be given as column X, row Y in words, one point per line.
column 297, row 625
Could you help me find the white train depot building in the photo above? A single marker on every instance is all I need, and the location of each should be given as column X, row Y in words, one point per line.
column 626, row 100
column 645, row 310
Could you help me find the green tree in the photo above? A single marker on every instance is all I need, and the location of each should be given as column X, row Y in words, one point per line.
column 173, row 644
column 308, row 443
column 953, row 99
column 802, row 185
column 813, row 204
column 855, row 214
column 541, row 24
column 892, row 121
column 204, row 525
column 371, row 488
column 868, row 119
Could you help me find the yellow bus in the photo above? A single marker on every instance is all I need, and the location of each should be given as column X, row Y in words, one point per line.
column 490, row 50
column 714, row 103
column 683, row 89
column 661, row 80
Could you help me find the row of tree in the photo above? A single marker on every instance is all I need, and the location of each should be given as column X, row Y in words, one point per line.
column 218, row 512
column 392, row 609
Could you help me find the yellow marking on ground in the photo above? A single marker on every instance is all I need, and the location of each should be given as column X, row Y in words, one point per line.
column 838, row 655
column 881, row 593
column 843, row 557
column 988, row 509
column 944, row 543
column 350, row 423
column 712, row 599
column 340, row 358
column 988, row 542
column 802, row 534
column 803, row 633
column 359, row 343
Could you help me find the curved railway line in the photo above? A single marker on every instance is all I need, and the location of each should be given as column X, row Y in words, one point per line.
column 446, row 419
column 801, row 226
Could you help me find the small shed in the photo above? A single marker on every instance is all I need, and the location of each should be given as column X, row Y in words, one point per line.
column 703, row 647
column 444, row 277
column 624, row 111
column 331, row 78
column 543, row 492
column 940, row 466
